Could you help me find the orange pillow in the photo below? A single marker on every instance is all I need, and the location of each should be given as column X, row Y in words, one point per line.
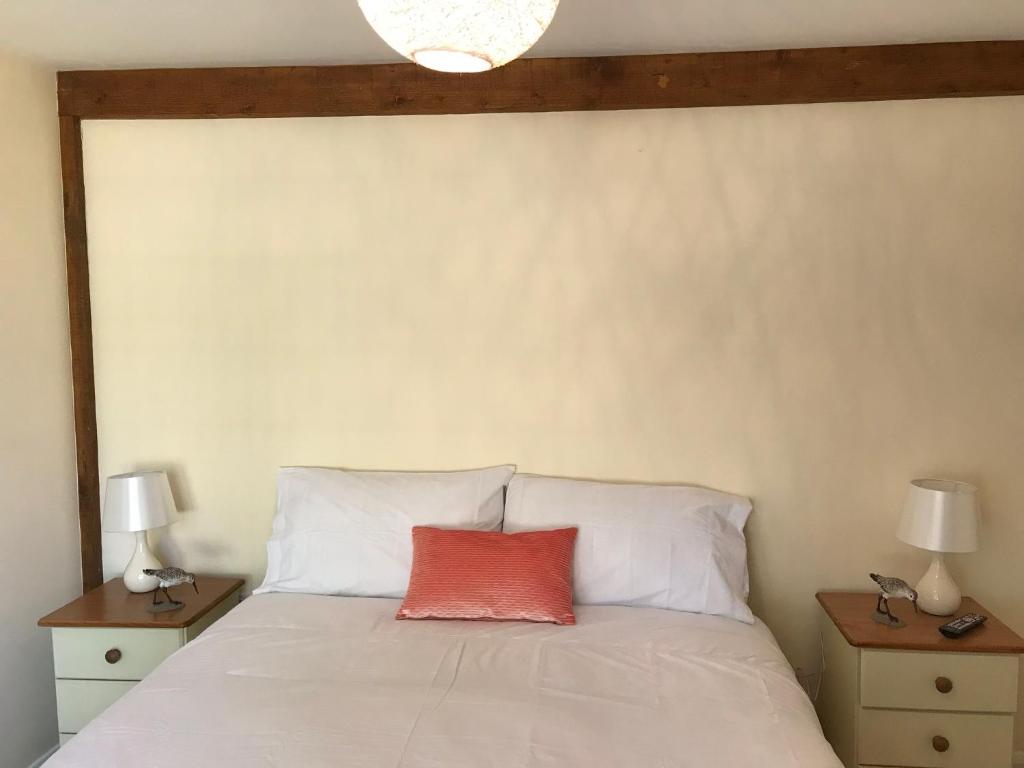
column 492, row 576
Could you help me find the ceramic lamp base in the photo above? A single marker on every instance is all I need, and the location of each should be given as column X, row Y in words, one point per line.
column 937, row 593
column 134, row 579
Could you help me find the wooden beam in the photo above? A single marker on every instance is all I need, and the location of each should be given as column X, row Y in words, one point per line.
column 935, row 70
column 800, row 76
column 80, row 319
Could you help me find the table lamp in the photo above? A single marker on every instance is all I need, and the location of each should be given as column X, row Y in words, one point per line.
column 940, row 516
column 136, row 502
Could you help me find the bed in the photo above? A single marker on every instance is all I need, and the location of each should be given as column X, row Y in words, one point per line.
column 302, row 681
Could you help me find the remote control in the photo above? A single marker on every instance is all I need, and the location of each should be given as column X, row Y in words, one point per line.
column 959, row 627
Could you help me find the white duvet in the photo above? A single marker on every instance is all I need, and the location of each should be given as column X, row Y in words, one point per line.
column 302, row 681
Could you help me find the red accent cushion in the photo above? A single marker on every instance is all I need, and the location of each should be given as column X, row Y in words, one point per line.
column 492, row 576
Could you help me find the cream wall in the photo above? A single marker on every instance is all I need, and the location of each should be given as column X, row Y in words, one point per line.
column 39, row 556
column 810, row 305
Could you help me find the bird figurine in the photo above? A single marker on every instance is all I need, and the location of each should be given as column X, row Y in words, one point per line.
column 170, row 577
column 889, row 587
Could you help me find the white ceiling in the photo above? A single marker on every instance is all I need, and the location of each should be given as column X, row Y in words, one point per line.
column 77, row 34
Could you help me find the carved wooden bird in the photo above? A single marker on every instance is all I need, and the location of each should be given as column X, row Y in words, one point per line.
column 170, row 577
column 890, row 587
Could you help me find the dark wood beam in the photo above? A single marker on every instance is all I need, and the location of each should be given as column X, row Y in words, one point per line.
column 552, row 85
column 800, row 76
column 83, row 379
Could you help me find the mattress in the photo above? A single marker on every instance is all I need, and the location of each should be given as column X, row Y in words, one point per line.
column 303, row 681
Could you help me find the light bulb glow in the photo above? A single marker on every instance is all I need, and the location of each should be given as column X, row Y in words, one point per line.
column 460, row 35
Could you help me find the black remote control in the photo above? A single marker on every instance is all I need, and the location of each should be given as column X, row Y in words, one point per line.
column 959, row 627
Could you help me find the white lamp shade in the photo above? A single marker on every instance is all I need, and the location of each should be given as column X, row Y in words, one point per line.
column 460, row 35
column 940, row 516
column 138, row 501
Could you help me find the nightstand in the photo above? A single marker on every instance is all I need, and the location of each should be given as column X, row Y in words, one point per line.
column 105, row 641
column 911, row 697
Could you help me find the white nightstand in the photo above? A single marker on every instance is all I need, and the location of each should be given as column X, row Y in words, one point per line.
column 105, row 642
column 911, row 697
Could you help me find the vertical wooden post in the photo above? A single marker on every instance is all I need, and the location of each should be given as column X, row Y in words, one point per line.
column 80, row 320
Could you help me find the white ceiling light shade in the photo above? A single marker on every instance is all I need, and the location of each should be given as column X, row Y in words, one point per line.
column 460, row 35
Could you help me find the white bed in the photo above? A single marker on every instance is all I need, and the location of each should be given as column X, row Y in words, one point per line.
column 302, row 681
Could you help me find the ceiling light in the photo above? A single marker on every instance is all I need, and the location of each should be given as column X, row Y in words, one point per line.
column 460, row 35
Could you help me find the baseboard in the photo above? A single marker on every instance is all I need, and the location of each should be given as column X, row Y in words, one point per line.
column 1018, row 759
column 44, row 757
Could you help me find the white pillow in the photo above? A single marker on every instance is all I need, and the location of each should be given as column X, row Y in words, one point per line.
column 338, row 532
column 661, row 546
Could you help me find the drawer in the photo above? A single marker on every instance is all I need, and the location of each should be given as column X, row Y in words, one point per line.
column 79, row 701
column 903, row 738
column 81, row 652
column 912, row 680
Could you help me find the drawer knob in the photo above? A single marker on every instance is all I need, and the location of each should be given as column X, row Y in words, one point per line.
column 943, row 684
column 940, row 743
column 112, row 656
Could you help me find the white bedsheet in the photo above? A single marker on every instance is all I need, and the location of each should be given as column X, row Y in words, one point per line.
column 301, row 681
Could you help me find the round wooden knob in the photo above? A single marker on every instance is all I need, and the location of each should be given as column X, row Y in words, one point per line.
column 940, row 743
column 112, row 656
column 943, row 684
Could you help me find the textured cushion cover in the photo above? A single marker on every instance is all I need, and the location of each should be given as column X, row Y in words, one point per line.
column 341, row 532
column 495, row 576
column 660, row 546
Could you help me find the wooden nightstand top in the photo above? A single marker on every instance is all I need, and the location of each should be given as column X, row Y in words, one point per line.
column 851, row 612
column 112, row 605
